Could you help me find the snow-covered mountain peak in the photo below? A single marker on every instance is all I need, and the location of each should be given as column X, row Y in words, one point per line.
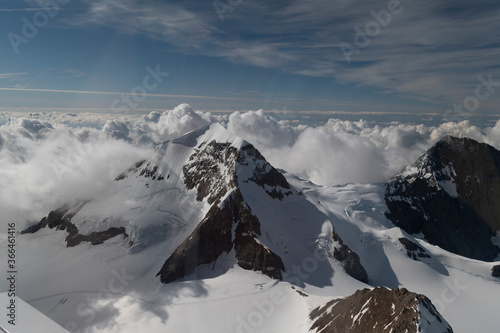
column 456, row 166
column 449, row 194
column 211, row 171
column 219, row 161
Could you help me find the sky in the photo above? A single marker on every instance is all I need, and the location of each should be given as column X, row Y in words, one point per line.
column 437, row 58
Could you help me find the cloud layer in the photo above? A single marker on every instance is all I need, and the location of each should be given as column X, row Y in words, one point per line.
column 346, row 151
column 43, row 165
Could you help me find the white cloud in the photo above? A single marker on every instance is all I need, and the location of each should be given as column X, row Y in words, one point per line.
column 116, row 129
column 10, row 75
column 45, row 164
column 159, row 127
column 347, row 151
column 262, row 130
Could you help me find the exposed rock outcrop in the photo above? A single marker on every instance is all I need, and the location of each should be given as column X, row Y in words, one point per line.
column 450, row 195
column 413, row 250
column 60, row 219
column 213, row 170
column 230, row 226
column 264, row 175
column 495, row 271
column 379, row 310
column 350, row 260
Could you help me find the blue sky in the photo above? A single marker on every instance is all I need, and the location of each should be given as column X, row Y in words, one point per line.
column 424, row 57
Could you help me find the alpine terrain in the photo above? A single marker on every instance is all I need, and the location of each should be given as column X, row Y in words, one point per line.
column 207, row 236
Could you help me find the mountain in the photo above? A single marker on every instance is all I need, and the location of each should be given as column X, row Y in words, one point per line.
column 379, row 310
column 450, row 194
column 208, row 236
column 220, row 178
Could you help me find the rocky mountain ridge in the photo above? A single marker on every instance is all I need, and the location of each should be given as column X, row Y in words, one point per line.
column 450, row 194
column 379, row 310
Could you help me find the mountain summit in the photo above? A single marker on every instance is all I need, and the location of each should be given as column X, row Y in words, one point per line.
column 450, row 195
column 210, row 198
column 362, row 312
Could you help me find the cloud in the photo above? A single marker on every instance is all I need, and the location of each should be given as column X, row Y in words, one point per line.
column 43, row 166
column 46, row 164
column 10, row 75
column 262, row 129
column 165, row 21
column 27, row 9
column 330, row 158
column 30, row 128
column 117, row 93
column 116, row 129
column 75, row 73
column 321, row 154
column 159, row 127
column 347, row 151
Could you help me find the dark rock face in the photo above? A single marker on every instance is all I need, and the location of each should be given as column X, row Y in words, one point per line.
column 95, row 238
column 495, row 271
column 55, row 218
column 204, row 173
column 134, row 168
column 213, row 236
column 61, row 220
column 378, row 310
column 349, row 259
column 147, row 171
column 449, row 194
column 264, row 174
column 213, row 171
column 413, row 250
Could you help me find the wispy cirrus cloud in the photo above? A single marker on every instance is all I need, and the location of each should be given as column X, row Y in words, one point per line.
column 27, row 9
column 75, row 73
column 243, row 97
column 428, row 51
column 11, row 75
column 106, row 93
column 188, row 28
